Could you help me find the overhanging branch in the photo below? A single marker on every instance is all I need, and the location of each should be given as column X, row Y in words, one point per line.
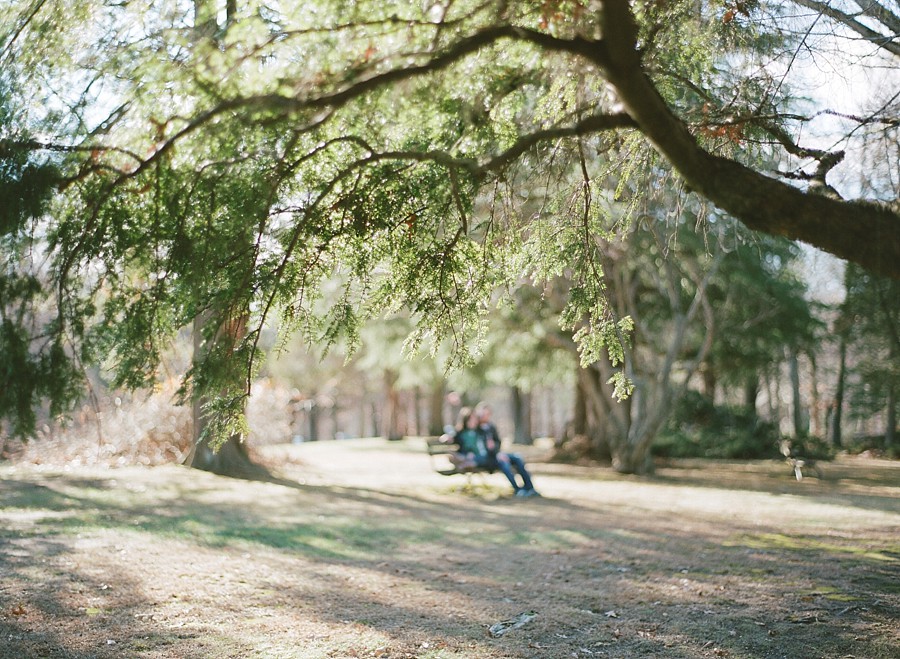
column 867, row 233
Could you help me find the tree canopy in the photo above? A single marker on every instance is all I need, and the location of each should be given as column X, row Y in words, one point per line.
column 228, row 158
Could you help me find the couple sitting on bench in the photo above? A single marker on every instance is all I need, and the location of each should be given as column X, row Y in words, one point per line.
column 479, row 448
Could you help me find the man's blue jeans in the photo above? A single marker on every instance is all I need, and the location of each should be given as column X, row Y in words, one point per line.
column 510, row 464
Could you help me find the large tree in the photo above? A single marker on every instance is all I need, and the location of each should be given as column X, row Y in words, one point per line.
column 393, row 147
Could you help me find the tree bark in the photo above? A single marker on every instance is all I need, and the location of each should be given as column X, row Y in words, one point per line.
column 580, row 412
column 836, row 419
column 313, row 420
column 751, row 393
column 393, row 429
column 376, row 419
column 800, row 429
column 232, row 458
column 436, row 407
column 521, row 404
column 416, row 411
column 709, row 381
column 890, row 429
column 814, row 416
column 633, row 457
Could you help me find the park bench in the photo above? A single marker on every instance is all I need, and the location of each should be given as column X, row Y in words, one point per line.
column 437, row 449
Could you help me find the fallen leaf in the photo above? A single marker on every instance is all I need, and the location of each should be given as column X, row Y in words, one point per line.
column 18, row 610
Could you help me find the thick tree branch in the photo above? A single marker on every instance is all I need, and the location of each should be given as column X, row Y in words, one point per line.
column 591, row 124
column 435, row 63
column 864, row 232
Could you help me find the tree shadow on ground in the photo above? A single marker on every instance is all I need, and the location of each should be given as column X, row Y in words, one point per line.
column 444, row 567
column 53, row 607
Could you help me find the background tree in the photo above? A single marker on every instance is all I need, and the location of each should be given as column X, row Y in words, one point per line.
column 760, row 312
column 657, row 288
column 871, row 312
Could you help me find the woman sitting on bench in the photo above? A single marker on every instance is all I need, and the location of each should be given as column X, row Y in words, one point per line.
column 473, row 451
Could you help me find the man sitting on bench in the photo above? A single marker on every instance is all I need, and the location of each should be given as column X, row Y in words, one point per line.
column 508, row 463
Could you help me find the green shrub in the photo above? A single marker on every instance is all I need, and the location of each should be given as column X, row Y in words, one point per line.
column 699, row 429
column 813, row 447
column 874, row 444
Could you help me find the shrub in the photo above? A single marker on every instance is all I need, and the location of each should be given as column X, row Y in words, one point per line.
column 697, row 428
column 813, row 447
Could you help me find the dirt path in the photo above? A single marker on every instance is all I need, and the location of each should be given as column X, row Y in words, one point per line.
column 362, row 551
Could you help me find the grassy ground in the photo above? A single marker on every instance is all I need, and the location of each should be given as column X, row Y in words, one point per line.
column 360, row 550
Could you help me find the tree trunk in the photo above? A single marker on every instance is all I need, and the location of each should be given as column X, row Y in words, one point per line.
column 376, row 419
column 393, row 414
column 751, row 393
column 580, row 413
column 436, row 407
column 774, row 386
column 232, row 458
column 416, row 411
column 709, row 382
column 613, row 427
column 603, row 422
column 552, row 417
column 313, row 420
column 631, row 452
column 335, row 411
column 633, row 457
column 814, row 420
column 890, row 429
column 837, row 418
column 800, row 429
column 521, row 404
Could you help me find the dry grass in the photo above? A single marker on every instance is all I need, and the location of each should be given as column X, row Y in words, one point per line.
column 142, row 428
column 362, row 551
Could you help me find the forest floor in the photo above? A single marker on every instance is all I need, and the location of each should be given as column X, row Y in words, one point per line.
column 360, row 550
